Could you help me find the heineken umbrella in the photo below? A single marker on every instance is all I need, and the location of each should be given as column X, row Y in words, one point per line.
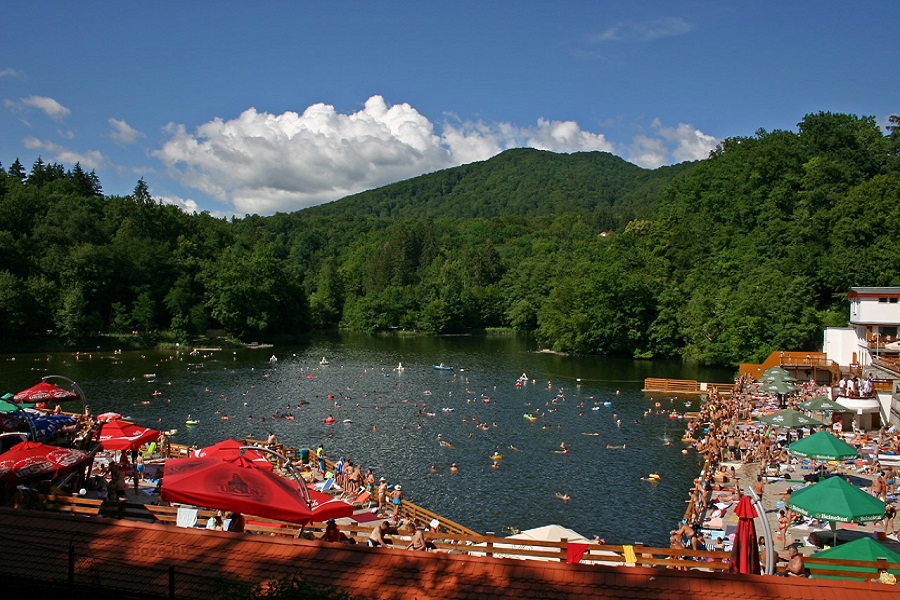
column 823, row 446
column 776, row 372
column 864, row 548
column 789, row 418
column 778, row 387
column 822, row 404
column 836, row 501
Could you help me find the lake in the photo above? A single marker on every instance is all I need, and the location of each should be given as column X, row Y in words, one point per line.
column 395, row 418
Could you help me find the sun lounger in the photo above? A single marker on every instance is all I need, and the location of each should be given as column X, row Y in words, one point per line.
column 324, row 486
column 362, row 500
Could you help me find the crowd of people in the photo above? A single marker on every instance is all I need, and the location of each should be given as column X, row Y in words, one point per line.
column 727, row 432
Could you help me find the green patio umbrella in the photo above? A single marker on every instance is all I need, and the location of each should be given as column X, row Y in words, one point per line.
column 836, row 501
column 864, row 548
column 789, row 418
column 823, row 446
column 776, row 371
column 8, row 407
column 777, row 387
column 822, row 404
column 781, row 375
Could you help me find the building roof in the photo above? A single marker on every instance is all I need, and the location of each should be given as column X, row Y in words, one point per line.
column 133, row 556
column 873, row 291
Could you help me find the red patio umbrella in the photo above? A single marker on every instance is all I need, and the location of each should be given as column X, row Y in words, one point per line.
column 744, row 551
column 326, row 507
column 231, row 449
column 43, row 392
column 234, row 484
column 29, row 460
column 122, row 435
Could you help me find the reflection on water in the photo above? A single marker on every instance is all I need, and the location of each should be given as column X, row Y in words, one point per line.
column 394, row 417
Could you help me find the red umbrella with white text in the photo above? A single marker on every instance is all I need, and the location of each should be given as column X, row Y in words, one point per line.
column 31, row 460
column 122, row 435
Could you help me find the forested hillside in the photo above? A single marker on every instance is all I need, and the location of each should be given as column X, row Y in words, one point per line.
column 721, row 260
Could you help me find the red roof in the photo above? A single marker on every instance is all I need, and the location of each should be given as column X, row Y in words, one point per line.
column 113, row 553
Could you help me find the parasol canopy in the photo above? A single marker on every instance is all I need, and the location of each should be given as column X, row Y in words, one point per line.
column 30, row 460
column 43, row 391
column 234, row 484
column 232, row 448
column 326, row 507
column 122, row 435
column 823, row 446
column 838, row 501
column 789, row 418
column 777, row 387
column 744, row 550
column 864, row 548
column 777, row 374
column 46, row 426
column 822, row 404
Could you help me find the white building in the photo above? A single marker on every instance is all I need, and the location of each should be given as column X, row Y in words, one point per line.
column 869, row 344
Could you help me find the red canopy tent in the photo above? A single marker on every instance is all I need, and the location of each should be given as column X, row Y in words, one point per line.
column 744, row 551
column 232, row 448
column 43, row 392
column 234, row 484
column 326, row 507
column 29, row 460
column 122, row 435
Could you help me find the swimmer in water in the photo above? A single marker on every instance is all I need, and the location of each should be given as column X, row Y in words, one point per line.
column 563, row 497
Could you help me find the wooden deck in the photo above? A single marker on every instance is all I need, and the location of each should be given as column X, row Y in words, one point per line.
column 683, row 387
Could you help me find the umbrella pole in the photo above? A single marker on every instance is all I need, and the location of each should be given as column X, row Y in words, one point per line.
column 767, row 531
column 290, row 467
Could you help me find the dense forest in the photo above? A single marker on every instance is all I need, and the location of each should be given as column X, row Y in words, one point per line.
column 720, row 261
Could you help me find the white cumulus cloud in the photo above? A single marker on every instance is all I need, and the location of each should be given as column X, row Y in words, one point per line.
column 90, row 160
column 690, row 143
column 49, row 106
column 670, row 144
column 122, row 132
column 260, row 163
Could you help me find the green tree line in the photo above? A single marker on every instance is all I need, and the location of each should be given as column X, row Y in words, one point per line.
column 720, row 261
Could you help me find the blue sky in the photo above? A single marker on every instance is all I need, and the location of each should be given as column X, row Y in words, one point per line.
column 256, row 107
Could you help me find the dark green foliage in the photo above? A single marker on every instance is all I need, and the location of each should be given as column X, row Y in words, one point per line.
column 720, row 261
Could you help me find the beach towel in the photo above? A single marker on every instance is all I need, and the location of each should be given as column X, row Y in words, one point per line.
column 575, row 552
column 186, row 517
column 630, row 556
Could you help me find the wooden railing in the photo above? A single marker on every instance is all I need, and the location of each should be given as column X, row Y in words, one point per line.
column 795, row 360
column 475, row 545
column 845, row 569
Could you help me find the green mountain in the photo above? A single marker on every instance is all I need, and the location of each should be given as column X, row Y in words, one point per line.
column 520, row 182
